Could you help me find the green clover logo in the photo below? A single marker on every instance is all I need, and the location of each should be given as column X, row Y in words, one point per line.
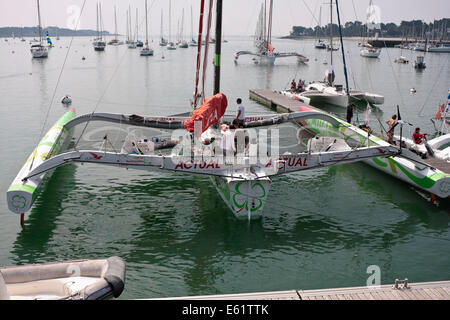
column 444, row 186
column 19, row 202
column 240, row 199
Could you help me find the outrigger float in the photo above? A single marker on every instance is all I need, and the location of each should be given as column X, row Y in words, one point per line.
column 424, row 167
column 269, row 145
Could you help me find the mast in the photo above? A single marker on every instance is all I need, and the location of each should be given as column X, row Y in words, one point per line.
column 100, row 21
column 269, row 27
column 115, row 24
column 192, row 27
column 97, row 23
column 146, row 26
column 218, row 46
column 331, row 32
column 320, row 18
column 170, row 12
column 161, row 26
column 342, row 49
column 39, row 20
column 137, row 25
column 265, row 22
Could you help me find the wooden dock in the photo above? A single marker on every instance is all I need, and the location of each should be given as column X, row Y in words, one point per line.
column 413, row 291
column 276, row 101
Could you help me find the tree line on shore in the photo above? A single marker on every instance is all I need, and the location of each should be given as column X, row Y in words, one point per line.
column 7, row 32
column 415, row 29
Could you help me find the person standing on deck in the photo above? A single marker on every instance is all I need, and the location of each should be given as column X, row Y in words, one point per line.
column 293, row 85
column 227, row 143
column 240, row 116
column 391, row 122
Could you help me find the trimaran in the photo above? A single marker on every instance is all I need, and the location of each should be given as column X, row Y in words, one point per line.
column 269, row 145
column 265, row 53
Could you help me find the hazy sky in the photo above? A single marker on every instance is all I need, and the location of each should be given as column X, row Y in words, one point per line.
column 239, row 16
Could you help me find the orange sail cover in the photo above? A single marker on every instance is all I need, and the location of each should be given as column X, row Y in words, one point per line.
column 208, row 113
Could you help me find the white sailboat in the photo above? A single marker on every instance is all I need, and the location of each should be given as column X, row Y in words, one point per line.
column 368, row 50
column 320, row 44
column 183, row 43
column 326, row 91
column 115, row 41
column 38, row 50
column 162, row 40
column 170, row 44
column 139, row 43
column 131, row 38
column 192, row 43
column 265, row 53
column 146, row 50
column 99, row 44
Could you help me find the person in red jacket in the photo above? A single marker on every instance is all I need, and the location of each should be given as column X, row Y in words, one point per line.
column 418, row 137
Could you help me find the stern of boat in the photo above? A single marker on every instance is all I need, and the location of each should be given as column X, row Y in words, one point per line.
column 245, row 198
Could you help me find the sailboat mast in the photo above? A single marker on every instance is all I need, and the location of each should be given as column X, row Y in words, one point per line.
column 218, row 46
column 331, row 32
column 265, row 22
column 100, row 21
column 342, row 48
column 192, row 27
column 97, row 23
column 137, row 25
column 146, row 26
column 161, row 25
column 170, row 13
column 320, row 18
column 269, row 28
column 115, row 23
column 39, row 20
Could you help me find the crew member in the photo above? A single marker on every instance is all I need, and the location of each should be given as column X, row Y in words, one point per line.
column 240, row 116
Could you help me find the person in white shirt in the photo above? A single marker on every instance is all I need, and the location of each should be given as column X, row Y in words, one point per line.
column 227, row 143
column 240, row 116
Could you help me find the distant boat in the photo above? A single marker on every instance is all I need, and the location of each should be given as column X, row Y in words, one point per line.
column 439, row 48
column 320, row 44
column 192, row 43
column 370, row 52
column 115, row 41
column 162, row 41
column 170, row 44
column 265, row 53
column 99, row 44
column 146, row 51
column 139, row 43
column 419, row 63
column 38, row 50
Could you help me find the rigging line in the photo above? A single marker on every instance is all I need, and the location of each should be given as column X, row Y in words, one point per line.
column 393, row 73
column 302, row 47
column 434, row 84
column 307, row 7
column 101, row 97
column 57, row 82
